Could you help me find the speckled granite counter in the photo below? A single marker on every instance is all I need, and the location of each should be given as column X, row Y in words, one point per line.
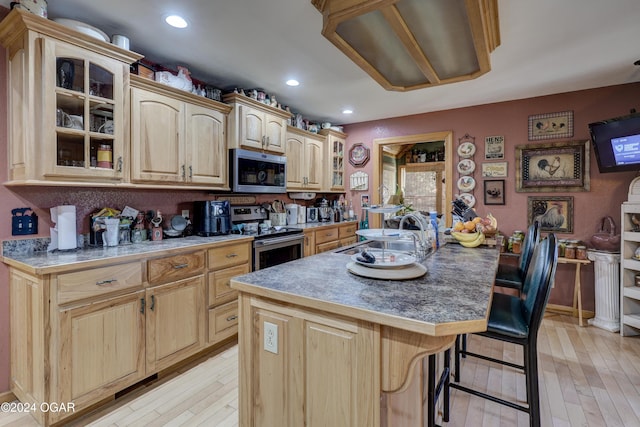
column 453, row 296
column 42, row 262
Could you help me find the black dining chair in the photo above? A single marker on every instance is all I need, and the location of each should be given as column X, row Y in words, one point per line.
column 512, row 276
column 516, row 319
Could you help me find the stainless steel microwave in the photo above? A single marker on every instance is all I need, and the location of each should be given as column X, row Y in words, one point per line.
column 256, row 172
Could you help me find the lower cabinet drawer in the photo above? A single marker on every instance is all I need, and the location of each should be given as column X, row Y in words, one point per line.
column 219, row 289
column 98, row 281
column 223, row 321
column 347, row 231
column 326, row 235
column 324, row 247
column 226, row 256
column 175, row 267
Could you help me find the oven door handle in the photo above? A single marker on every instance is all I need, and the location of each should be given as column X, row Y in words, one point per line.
column 276, row 240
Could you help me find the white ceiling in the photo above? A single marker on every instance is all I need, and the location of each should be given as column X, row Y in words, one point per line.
column 548, row 46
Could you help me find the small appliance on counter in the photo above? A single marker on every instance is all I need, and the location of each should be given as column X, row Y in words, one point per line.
column 211, row 218
column 292, row 214
column 325, row 211
column 302, row 214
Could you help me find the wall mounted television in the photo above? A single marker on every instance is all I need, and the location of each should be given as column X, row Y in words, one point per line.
column 616, row 143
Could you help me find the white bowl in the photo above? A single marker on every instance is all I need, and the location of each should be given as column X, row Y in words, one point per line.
column 83, row 28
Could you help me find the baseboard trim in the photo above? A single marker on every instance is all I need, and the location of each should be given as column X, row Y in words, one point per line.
column 7, row 396
column 563, row 309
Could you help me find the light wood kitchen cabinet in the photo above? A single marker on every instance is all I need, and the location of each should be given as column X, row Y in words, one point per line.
column 334, row 179
column 177, row 138
column 329, row 237
column 104, row 348
column 81, row 334
column 304, row 160
column 330, row 356
column 175, row 322
column 256, row 126
column 67, row 96
column 225, row 262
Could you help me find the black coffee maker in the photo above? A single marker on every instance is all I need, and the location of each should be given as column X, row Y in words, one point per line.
column 211, row 218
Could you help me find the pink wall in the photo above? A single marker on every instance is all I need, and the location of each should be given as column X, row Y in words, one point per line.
column 510, row 119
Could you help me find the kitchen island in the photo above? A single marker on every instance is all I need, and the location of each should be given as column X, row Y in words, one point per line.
column 322, row 346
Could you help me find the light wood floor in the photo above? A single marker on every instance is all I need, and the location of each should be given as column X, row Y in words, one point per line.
column 588, row 377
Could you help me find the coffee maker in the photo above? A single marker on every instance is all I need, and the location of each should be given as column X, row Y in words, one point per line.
column 324, row 211
column 211, row 218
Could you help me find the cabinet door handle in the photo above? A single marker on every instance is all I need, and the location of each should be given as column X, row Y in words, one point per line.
column 268, row 140
column 106, row 282
column 230, row 318
column 142, row 304
column 180, row 266
column 153, row 302
column 231, row 255
column 264, row 140
column 120, row 164
column 190, row 171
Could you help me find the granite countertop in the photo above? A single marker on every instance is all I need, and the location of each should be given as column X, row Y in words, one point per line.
column 453, row 297
column 42, row 262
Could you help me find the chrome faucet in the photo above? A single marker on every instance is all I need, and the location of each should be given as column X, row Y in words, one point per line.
column 422, row 243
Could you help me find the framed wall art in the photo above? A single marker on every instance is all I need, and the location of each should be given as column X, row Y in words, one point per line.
column 555, row 214
column 358, row 155
column 494, row 147
column 551, row 125
column 494, row 170
column 494, row 192
column 559, row 167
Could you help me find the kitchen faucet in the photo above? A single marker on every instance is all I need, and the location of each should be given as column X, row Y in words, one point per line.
column 422, row 243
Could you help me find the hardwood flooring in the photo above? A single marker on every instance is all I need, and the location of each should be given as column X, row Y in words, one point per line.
column 588, row 377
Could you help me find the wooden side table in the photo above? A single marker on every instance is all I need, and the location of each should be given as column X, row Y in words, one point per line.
column 577, row 292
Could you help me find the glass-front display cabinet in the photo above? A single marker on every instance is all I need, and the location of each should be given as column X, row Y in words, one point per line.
column 336, row 158
column 67, row 103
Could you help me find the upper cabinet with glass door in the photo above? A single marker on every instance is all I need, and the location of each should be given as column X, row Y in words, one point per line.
column 335, row 158
column 67, row 103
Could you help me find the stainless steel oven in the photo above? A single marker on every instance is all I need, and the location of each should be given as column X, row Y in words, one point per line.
column 273, row 250
column 270, row 246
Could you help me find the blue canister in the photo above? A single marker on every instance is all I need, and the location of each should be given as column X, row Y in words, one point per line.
column 433, row 216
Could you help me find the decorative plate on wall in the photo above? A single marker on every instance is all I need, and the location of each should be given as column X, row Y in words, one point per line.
column 358, row 155
column 466, row 184
column 466, row 167
column 468, row 198
column 466, row 150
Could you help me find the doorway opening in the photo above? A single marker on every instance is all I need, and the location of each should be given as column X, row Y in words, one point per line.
column 419, row 165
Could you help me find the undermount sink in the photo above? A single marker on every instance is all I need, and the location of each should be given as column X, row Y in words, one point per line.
column 397, row 245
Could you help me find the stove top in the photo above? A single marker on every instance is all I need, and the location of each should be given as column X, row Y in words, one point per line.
column 272, row 233
column 252, row 214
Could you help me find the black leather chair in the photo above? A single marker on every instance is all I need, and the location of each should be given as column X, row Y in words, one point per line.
column 512, row 276
column 517, row 320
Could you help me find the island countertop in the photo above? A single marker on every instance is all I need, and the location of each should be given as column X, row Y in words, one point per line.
column 452, row 297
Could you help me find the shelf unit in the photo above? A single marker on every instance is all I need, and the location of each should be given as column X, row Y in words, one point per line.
column 630, row 268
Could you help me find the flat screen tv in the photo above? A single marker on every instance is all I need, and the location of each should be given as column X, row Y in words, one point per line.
column 616, row 143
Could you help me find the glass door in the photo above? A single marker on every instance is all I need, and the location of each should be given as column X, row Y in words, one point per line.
column 88, row 104
column 337, row 154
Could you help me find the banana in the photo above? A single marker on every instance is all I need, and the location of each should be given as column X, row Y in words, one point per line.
column 494, row 221
column 474, row 243
column 465, row 237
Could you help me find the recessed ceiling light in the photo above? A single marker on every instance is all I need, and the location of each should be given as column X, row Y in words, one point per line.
column 176, row 21
column 292, row 82
column 347, row 111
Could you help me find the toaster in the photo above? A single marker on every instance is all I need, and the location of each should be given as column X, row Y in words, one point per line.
column 312, row 215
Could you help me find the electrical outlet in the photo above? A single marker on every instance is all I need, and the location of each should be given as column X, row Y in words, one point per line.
column 185, row 213
column 271, row 337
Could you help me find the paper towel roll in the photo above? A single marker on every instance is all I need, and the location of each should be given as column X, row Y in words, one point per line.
column 65, row 219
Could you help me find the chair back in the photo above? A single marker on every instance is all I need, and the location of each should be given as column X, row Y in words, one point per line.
column 531, row 240
column 538, row 282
